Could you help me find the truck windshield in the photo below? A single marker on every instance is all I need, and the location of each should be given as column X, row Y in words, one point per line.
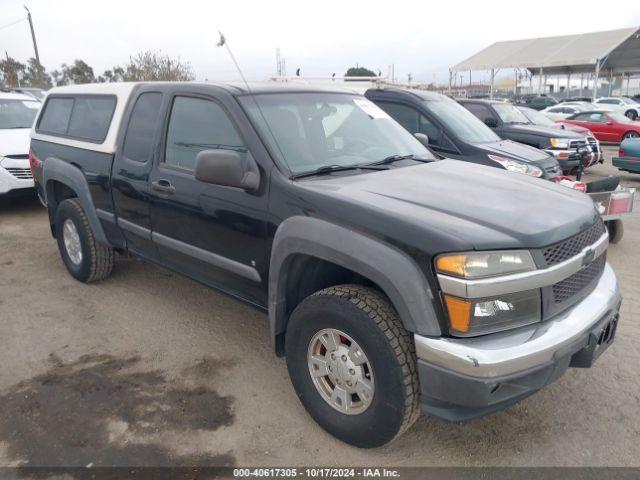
column 17, row 113
column 308, row 131
column 509, row 113
column 461, row 122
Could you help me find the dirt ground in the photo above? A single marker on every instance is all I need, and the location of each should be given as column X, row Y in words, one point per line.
column 150, row 368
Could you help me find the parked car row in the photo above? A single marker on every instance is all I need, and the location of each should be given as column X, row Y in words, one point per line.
column 454, row 132
column 561, row 109
column 607, row 126
column 538, row 118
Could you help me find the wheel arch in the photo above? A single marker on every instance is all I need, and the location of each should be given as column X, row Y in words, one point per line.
column 63, row 180
column 339, row 255
column 624, row 135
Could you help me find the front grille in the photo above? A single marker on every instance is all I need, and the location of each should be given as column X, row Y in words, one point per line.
column 21, row 173
column 573, row 285
column 577, row 143
column 571, row 247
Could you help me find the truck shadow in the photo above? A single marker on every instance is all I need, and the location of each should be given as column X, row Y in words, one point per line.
column 104, row 411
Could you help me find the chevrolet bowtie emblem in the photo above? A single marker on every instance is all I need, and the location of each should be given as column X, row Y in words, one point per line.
column 588, row 257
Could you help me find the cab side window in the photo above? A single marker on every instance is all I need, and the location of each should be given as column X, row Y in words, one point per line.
column 198, row 124
column 406, row 116
column 480, row 111
column 139, row 139
column 415, row 122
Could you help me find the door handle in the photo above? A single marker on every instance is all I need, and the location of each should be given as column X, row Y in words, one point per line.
column 163, row 186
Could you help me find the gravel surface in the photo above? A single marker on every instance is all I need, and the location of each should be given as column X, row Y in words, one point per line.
column 151, row 368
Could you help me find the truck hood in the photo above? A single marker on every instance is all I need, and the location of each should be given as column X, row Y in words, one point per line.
column 452, row 205
column 14, row 141
column 542, row 131
column 514, row 150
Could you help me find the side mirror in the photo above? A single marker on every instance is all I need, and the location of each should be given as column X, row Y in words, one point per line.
column 422, row 138
column 491, row 122
column 227, row 168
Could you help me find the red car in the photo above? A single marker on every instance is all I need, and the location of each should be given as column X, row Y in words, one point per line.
column 606, row 126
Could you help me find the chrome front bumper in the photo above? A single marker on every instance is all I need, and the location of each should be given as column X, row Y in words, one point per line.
column 525, row 348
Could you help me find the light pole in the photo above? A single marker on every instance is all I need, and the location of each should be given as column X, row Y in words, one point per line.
column 35, row 45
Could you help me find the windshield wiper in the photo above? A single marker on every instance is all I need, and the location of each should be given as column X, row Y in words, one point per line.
column 334, row 168
column 396, row 158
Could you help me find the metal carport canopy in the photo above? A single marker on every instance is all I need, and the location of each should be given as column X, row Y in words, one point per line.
column 616, row 51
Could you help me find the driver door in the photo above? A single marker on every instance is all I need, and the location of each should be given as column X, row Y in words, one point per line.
column 215, row 234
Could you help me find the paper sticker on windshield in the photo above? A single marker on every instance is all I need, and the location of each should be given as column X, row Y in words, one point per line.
column 370, row 108
column 29, row 104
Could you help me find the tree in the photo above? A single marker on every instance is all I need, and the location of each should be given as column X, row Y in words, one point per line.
column 36, row 75
column 149, row 66
column 116, row 74
column 78, row 72
column 12, row 72
column 359, row 72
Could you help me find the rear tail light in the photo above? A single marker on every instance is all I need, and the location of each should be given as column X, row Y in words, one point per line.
column 621, row 202
column 34, row 162
column 621, row 153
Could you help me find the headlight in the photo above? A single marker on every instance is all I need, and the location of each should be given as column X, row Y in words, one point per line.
column 485, row 264
column 479, row 316
column 515, row 166
column 489, row 315
column 561, row 143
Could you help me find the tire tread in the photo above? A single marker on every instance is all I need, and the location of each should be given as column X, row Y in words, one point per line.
column 381, row 312
column 101, row 256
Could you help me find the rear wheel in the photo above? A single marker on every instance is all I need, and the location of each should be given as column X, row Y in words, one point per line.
column 353, row 365
column 631, row 134
column 632, row 114
column 86, row 259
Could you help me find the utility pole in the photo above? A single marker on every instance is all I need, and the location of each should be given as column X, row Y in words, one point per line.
column 35, row 44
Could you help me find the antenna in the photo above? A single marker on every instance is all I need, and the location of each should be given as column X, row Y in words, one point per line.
column 223, row 42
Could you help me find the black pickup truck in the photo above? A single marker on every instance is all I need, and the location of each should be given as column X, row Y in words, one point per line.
column 394, row 283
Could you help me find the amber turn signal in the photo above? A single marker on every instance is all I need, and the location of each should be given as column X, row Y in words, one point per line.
column 459, row 313
column 454, row 264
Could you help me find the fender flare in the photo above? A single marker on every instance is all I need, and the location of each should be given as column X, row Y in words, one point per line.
column 71, row 176
column 391, row 269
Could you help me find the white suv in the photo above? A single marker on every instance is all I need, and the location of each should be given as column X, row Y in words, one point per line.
column 17, row 113
column 630, row 108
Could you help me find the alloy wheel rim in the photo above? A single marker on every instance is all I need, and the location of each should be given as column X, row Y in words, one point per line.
column 72, row 243
column 341, row 371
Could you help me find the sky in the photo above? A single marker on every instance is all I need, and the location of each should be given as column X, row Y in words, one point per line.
column 419, row 37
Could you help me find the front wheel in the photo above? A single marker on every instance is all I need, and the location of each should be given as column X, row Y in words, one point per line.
column 631, row 134
column 85, row 259
column 632, row 114
column 353, row 365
